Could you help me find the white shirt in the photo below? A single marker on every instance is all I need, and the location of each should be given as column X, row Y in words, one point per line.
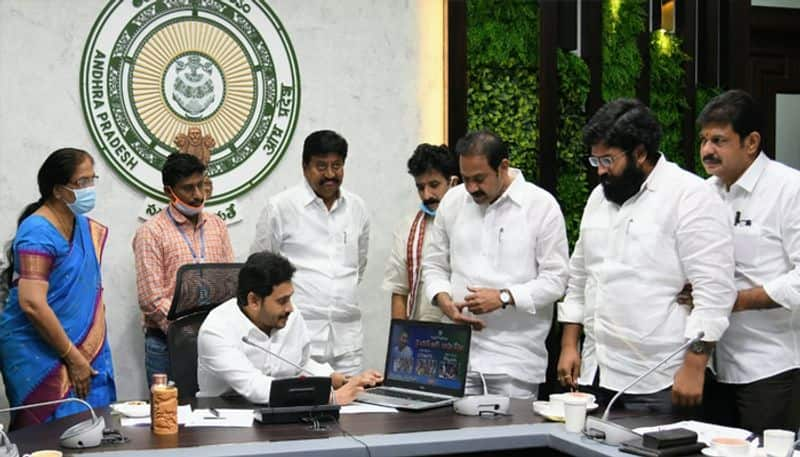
column 518, row 243
column 329, row 250
column 765, row 342
column 629, row 264
column 395, row 277
column 225, row 363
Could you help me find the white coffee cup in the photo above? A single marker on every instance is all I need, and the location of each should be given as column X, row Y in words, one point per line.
column 575, row 413
column 47, row 453
column 731, row 447
column 777, row 442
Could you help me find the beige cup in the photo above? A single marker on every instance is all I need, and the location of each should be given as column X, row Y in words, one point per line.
column 731, row 447
column 777, row 442
column 47, row 453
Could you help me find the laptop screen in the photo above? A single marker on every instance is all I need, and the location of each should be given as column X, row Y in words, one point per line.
column 428, row 356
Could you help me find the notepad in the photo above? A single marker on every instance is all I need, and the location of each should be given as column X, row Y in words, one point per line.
column 223, row 418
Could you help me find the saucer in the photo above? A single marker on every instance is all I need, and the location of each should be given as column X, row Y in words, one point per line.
column 754, row 452
column 132, row 408
column 555, row 414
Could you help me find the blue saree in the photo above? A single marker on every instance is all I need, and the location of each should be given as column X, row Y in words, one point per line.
column 32, row 370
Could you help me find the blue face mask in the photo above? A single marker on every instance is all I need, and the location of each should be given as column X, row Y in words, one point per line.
column 84, row 200
column 426, row 210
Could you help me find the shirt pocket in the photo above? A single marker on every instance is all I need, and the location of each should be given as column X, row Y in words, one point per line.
column 746, row 241
column 348, row 242
column 646, row 244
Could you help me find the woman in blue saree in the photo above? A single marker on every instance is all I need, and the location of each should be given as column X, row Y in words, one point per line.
column 53, row 341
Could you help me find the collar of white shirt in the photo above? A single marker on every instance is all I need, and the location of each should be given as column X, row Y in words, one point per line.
column 515, row 191
column 747, row 182
column 310, row 196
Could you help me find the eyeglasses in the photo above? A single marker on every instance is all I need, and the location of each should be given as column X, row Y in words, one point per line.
column 605, row 161
column 80, row 183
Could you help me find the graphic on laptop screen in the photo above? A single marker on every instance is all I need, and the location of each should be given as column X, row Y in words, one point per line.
column 428, row 355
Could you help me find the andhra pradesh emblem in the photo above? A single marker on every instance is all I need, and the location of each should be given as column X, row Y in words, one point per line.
column 213, row 78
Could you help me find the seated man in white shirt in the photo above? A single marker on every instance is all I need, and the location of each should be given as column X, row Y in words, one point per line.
column 758, row 357
column 263, row 312
column 649, row 228
column 497, row 260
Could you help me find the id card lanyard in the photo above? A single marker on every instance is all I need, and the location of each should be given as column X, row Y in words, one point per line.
column 202, row 257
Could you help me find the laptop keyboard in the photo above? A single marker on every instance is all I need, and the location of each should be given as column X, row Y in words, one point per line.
column 405, row 395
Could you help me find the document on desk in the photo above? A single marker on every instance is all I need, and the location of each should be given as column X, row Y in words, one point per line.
column 705, row 431
column 184, row 413
column 221, row 418
column 363, row 408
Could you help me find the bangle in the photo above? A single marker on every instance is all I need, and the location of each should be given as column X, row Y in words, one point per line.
column 66, row 353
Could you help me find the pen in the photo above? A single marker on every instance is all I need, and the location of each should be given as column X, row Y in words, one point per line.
column 214, row 412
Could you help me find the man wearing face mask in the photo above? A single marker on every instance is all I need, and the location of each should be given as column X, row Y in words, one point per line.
column 498, row 261
column 434, row 170
column 649, row 228
column 180, row 234
column 324, row 231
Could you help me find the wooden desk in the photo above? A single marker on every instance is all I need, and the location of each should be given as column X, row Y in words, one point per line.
column 434, row 432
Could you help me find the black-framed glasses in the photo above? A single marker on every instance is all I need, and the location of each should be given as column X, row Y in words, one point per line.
column 80, row 183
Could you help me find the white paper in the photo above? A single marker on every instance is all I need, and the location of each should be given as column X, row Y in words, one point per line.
column 226, row 418
column 705, row 431
column 184, row 413
column 362, row 408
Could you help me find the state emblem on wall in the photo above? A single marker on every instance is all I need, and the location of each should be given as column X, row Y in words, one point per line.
column 215, row 78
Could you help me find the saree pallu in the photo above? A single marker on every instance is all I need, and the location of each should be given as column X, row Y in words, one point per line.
column 32, row 370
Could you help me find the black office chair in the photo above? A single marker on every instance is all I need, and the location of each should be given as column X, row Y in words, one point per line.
column 199, row 289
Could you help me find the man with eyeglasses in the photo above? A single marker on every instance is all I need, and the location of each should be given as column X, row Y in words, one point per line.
column 182, row 233
column 648, row 229
column 324, row 231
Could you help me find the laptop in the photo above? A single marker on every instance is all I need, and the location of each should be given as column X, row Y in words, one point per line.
column 426, row 366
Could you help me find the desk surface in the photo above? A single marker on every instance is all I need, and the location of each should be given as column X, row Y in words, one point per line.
column 437, row 431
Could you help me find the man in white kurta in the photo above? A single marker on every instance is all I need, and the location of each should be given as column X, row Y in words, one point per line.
column 758, row 357
column 435, row 171
column 647, row 230
column 498, row 261
column 324, row 231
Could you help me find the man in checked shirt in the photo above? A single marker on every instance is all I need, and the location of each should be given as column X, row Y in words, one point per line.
column 180, row 234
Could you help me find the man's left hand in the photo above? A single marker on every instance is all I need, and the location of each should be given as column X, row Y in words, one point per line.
column 687, row 389
column 482, row 300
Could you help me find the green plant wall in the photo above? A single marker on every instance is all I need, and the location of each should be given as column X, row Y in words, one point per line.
column 502, row 45
column 623, row 21
column 502, row 95
column 667, row 89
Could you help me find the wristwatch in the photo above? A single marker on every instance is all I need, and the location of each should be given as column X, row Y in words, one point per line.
column 700, row 347
column 505, row 297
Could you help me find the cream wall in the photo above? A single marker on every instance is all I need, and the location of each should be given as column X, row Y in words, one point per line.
column 363, row 73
